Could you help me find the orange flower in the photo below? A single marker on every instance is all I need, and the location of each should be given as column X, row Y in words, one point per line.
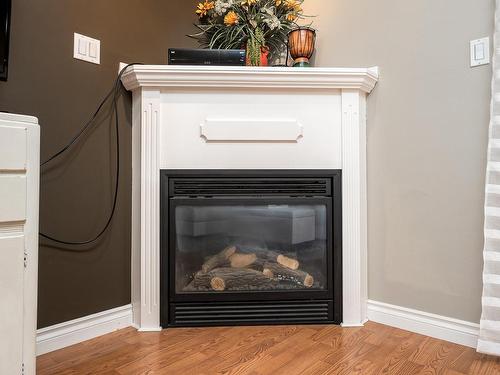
column 247, row 3
column 203, row 8
column 231, row 18
column 295, row 9
column 293, row 5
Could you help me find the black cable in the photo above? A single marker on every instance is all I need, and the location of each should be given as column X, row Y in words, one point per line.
column 110, row 217
column 82, row 130
column 114, row 91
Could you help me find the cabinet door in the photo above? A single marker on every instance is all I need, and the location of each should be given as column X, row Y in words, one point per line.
column 13, row 150
column 12, row 197
column 11, row 304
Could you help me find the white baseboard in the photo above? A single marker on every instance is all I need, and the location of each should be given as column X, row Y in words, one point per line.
column 75, row 331
column 437, row 326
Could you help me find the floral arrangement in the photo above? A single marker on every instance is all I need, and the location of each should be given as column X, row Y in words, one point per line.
column 261, row 26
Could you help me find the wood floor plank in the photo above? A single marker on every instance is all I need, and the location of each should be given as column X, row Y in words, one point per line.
column 318, row 368
column 407, row 368
column 283, row 351
column 45, row 362
column 392, row 353
column 303, row 359
column 485, row 365
column 245, row 360
column 159, row 358
column 268, row 350
column 239, row 361
column 464, row 361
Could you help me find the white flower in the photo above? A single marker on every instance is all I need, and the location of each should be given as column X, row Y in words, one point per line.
column 221, row 6
column 268, row 11
column 273, row 22
column 270, row 18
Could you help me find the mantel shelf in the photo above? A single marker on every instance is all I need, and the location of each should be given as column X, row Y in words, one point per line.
column 175, row 76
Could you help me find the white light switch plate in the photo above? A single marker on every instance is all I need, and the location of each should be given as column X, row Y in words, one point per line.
column 480, row 52
column 87, row 49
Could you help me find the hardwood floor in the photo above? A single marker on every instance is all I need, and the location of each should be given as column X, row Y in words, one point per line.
column 284, row 350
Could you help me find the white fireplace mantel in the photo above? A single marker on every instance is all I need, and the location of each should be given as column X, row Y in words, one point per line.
column 163, row 76
column 187, row 117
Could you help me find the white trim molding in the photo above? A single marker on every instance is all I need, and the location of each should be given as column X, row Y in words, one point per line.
column 75, row 331
column 148, row 316
column 177, row 76
column 424, row 323
column 354, row 209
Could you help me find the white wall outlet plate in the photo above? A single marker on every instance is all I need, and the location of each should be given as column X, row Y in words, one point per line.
column 480, row 52
column 87, row 49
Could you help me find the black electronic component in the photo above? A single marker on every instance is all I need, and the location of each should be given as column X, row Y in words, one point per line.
column 221, row 57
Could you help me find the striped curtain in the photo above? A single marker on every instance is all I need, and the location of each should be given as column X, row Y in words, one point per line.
column 489, row 336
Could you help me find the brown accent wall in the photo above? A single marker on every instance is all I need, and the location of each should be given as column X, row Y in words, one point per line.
column 76, row 192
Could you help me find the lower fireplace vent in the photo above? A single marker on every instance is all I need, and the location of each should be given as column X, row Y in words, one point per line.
column 206, row 314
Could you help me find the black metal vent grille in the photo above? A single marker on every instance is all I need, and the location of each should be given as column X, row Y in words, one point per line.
column 205, row 187
column 219, row 314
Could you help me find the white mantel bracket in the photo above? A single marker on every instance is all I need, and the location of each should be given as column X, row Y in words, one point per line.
column 309, row 118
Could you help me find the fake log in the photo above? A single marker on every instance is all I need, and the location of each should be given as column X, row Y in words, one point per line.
column 218, row 260
column 239, row 260
column 292, row 264
column 278, row 272
column 221, row 279
column 230, row 278
column 273, row 256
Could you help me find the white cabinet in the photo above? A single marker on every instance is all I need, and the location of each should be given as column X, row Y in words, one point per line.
column 19, row 187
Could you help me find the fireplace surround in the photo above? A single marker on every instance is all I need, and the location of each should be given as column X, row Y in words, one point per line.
column 241, row 118
column 250, row 247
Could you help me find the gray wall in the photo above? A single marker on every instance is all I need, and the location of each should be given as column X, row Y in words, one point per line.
column 45, row 81
column 427, row 137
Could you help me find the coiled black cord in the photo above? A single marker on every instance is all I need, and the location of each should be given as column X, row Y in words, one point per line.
column 114, row 93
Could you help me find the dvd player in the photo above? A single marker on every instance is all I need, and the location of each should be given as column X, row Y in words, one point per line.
column 222, row 57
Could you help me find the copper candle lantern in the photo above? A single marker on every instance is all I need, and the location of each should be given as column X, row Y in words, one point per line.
column 301, row 43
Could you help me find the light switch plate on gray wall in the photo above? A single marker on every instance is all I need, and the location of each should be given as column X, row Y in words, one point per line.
column 480, row 52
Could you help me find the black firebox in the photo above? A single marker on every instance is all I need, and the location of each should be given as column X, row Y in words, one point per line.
column 246, row 247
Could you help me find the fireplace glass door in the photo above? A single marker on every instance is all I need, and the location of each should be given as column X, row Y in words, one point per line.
column 250, row 245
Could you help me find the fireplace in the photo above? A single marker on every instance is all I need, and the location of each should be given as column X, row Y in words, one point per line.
column 250, row 247
column 205, row 118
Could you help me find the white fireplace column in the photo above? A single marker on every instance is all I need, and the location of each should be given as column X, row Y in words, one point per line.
column 187, row 117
